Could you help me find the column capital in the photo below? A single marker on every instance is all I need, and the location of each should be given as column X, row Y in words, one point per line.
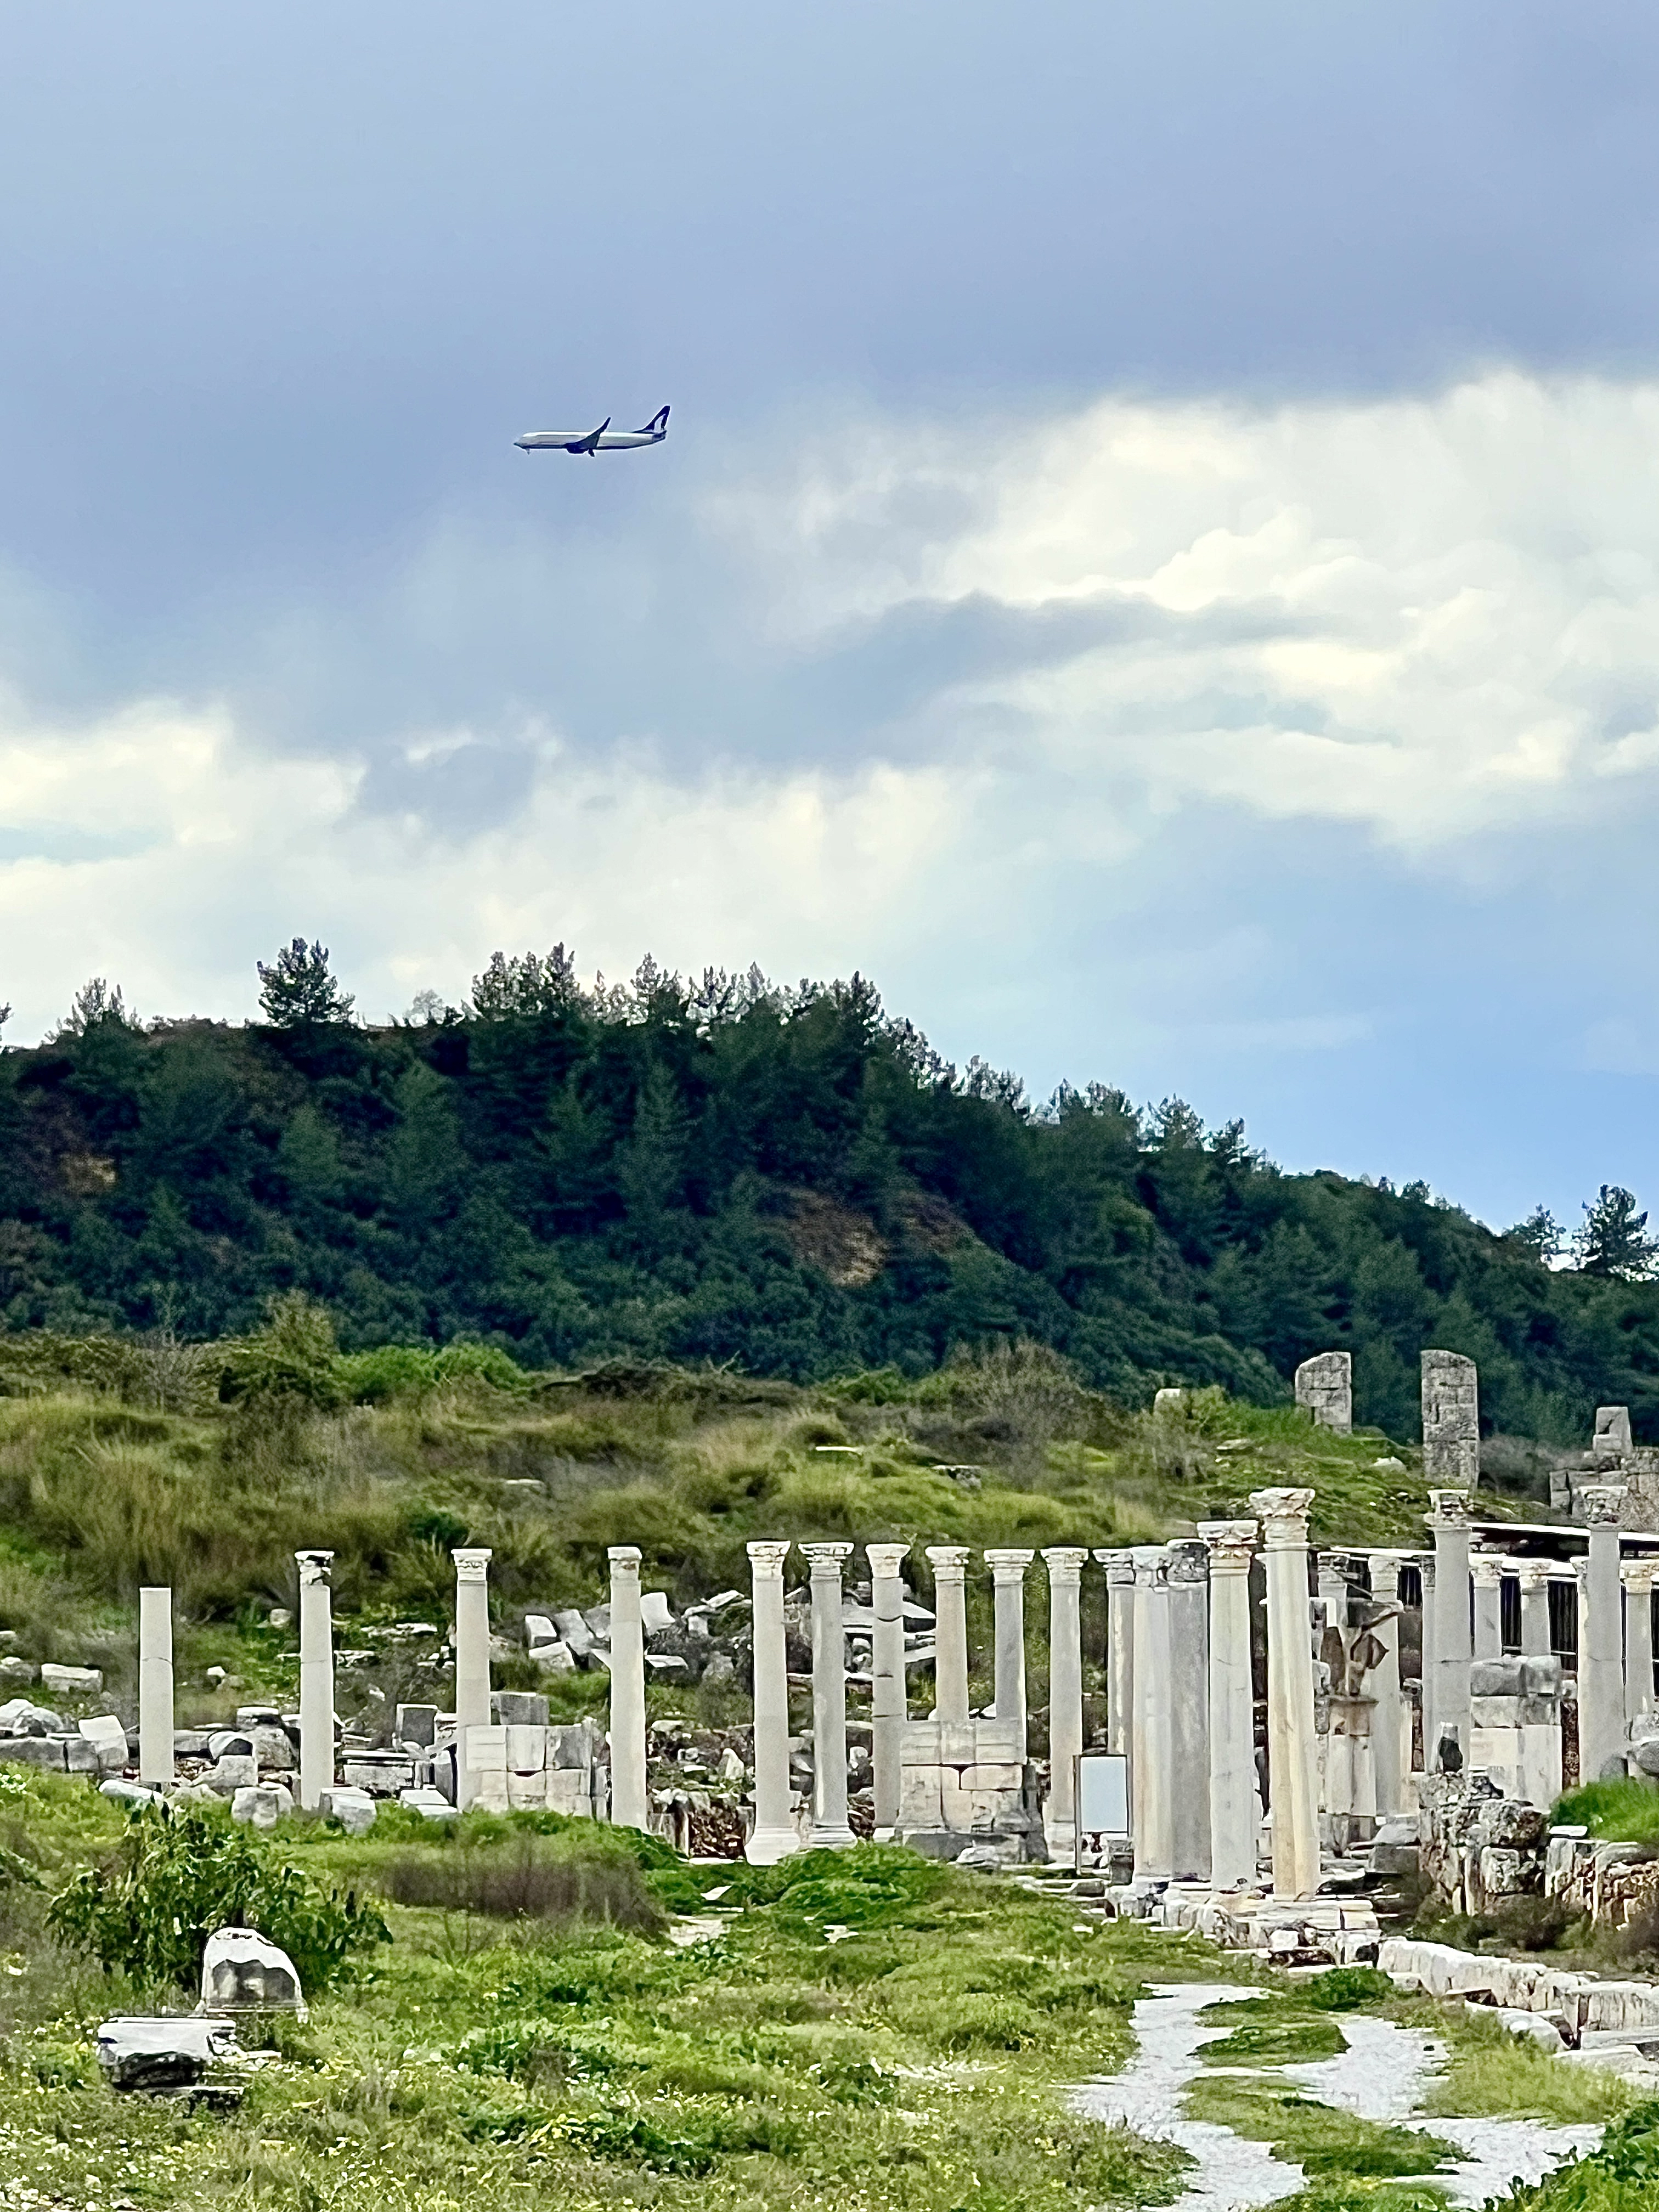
column 886, row 1560
column 1638, row 1574
column 949, row 1561
column 826, row 1559
column 1009, row 1566
column 472, row 1563
column 314, row 1566
column 624, row 1561
column 1188, row 1561
column 1232, row 1545
column 1533, row 1575
column 767, row 1555
column 1150, row 1560
column 1283, row 1515
column 1065, row 1563
column 1385, row 1572
column 1603, row 1503
column 1120, row 1566
column 1448, row 1509
column 1485, row 1569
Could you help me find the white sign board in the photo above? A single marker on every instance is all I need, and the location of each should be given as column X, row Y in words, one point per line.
column 1102, row 1804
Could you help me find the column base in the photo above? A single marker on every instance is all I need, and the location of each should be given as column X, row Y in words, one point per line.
column 831, row 1839
column 1061, row 1837
column 767, row 1845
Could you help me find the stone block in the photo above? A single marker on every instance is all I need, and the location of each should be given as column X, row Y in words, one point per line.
column 982, row 1779
column 571, row 1744
column 1619, row 2004
column 1502, row 1872
column 486, row 1750
column 920, row 1743
column 355, row 1809
column 14, row 1670
column 243, row 1972
column 1496, row 1678
column 527, row 1746
column 109, row 1739
column 72, row 1681
column 273, row 1748
column 567, row 1790
column 1541, row 1675
column 519, row 1709
column 417, row 1724
column 47, row 1751
column 527, row 1793
column 236, row 1771
column 996, row 1743
column 1503, row 1712
column 920, row 1805
column 261, row 1805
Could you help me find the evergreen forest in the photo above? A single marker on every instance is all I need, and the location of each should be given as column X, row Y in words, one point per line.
column 787, row 1180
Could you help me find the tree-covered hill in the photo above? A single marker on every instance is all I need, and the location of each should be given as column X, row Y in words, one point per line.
column 728, row 1170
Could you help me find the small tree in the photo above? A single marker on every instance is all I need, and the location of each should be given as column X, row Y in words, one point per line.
column 1613, row 1241
column 299, row 992
column 1541, row 1234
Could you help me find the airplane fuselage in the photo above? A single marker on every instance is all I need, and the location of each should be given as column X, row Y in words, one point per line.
column 581, row 442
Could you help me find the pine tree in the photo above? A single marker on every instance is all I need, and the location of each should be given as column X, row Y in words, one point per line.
column 1613, row 1241
column 298, row 992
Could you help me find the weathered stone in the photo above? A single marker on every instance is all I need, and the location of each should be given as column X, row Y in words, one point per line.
column 232, row 1773
column 355, row 1809
column 163, row 2054
column 1451, row 1419
column 243, row 1972
column 1497, row 1678
column 1324, row 1385
column 261, row 1805
column 520, row 1708
column 72, row 1681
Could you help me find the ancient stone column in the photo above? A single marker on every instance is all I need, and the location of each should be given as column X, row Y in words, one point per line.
column 1486, row 1572
column 829, row 1828
column 1065, row 1564
column 1391, row 1731
column 630, row 1804
column 1008, row 1580
column 1637, row 1576
column 1451, row 1421
column 1324, row 1384
column 155, row 1686
column 1534, row 1577
column 316, row 1676
column 1235, row 1816
column 1292, row 1752
column 1151, row 1756
column 775, row 1834
column 1119, row 1648
column 472, row 1659
column 1454, row 1646
column 950, row 1566
column 1601, row 1639
column 1426, row 1683
column 888, row 1703
column 1188, row 1580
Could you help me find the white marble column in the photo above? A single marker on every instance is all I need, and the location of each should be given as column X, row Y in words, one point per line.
column 1235, row 1814
column 316, row 1676
column 1065, row 1564
column 1188, row 1577
column 950, row 1566
column 889, row 1705
column 775, row 1834
column 630, row 1802
column 1119, row 1648
column 1602, row 1736
column 1426, row 1632
column 472, row 1659
column 1637, row 1576
column 155, row 1686
column 1008, row 1596
column 1486, row 1573
column 1391, row 1732
column 829, row 1828
column 1150, row 1758
column 1533, row 1575
column 1292, row 1751
column 1454, row 1643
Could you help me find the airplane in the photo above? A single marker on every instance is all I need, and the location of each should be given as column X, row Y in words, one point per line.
column 604, row 440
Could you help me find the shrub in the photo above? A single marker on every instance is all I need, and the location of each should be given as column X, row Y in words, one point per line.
column 179, row 1872
column 1344, row 1988
column 524, row 1881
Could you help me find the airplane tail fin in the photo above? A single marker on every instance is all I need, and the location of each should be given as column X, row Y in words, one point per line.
column 657, row 427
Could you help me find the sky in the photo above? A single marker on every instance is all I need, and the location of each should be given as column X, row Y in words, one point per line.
column 1156, row 560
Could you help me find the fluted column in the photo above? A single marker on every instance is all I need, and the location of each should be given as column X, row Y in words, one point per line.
column 888, row 1703
column 950, row 1566
column 1008, row 1594
column 829, row 1828
column 1292, row 1751
column 1119, row 1648
column 155, row 1686
column 1637, row 1576
column 1188, row 1578
column 1065, row 1564
column 1234, row 1815
column 471, row 1658
column 1601, row 1736
column 1454, row 1646
column 316, row 1676
column 1486, row 1573
column 1391, row 1735
column 1534, row 1577
column 630, row 1802
column 1151, row 1763
column 775, row 1834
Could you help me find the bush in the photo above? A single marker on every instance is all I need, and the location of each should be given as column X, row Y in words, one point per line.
column 177, row 1874
column 525, row 1882
column 1344, row 1988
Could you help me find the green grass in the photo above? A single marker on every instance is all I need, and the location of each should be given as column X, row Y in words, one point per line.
column 1491, row 2073
column 1271, row 2031
column 1621, row 2176
column 1618, row 1812
column 1323, row 2139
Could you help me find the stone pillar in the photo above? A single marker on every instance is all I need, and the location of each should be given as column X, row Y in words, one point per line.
column 630, row 1803
column 472, row 1659
column 1292, row 1752
column 1188, row 1578
column 1235, row 1814
column 1451, row 1421
column 155, row 1686
column 1065, row 1564
column 316, row 1676
column 775, row 1834
column 1612, row 1440
column 1151, row 1757
column 1602, row 1736
column 1008, row 1578
column 1486, row 1572
column 1119, row 1648
column 1454, row 1647
column 1533, row 1575
column 1324, row 1385
column 1426, row 1683
column 888, row 1703
column 829, row 1828
column 1391, row 1732
column 950, row 1566
column 1637, row 1576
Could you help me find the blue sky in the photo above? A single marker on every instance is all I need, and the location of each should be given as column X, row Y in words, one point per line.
column 1156, row 560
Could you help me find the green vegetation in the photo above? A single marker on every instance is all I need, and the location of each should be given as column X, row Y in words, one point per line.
column 1622, row 2176
column 1271, row 2031
column 1625, row 1812
column 1320, row 2138
column 730, row 1171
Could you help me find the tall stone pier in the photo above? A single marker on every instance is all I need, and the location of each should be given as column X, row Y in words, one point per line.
column 1293, row 1748
column 1008, row 1597
column 1151, row 1756
column 1119, row 1648
column 1391, row 1731
column 316, row 1676
column 950, row 1566
column 1454, row 1647
column 1233, row 1812
column 1324, row 1386
column 1188, row 1578
column 1065, row 1566
column 1601, row 1634
column 155, row 1686
column 1451, row 1421
column 888, row 1703
column 472, row 1659
column 830, row 1831
column 775, row 1834
column 630, row 1802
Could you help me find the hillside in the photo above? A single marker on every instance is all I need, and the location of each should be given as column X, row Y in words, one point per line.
column 730, row 1172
